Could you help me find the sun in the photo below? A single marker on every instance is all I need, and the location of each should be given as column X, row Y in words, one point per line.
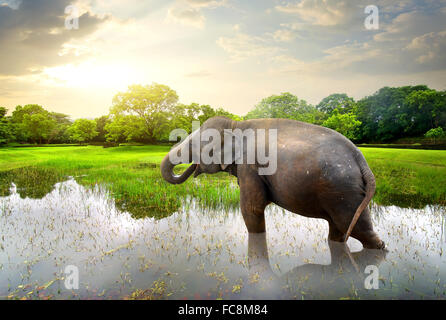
column 94, row 75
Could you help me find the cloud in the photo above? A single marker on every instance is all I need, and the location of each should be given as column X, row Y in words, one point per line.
column 13, row 4
column 186, row 15
column 33, row 35
column 429, row 48
column 206, row 3
column 284, row 35
column 190, row 12
column 347, row 13
column 242, row 46
column 321, row 12
column 409, row 24
column 410, row 39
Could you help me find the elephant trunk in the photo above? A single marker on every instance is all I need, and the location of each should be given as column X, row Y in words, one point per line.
column 168, row 174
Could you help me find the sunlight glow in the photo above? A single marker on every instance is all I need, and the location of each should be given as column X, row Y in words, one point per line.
column 92, row 74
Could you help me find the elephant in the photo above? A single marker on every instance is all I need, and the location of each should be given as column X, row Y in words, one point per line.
column 319, row 174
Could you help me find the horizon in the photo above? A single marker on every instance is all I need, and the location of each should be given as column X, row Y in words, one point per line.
column 224, row 53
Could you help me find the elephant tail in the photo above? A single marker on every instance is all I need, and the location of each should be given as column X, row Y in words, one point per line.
column 370, row 185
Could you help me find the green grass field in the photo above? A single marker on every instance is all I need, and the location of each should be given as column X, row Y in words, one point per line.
column 408, row 178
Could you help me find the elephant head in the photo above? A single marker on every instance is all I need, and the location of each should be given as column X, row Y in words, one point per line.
column 193, row 147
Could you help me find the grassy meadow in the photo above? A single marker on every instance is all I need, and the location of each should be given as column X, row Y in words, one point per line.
column 407, row 178
column 131, row 173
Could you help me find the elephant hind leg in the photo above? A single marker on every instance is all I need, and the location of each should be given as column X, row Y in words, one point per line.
column 333, row 232
column 363, row 230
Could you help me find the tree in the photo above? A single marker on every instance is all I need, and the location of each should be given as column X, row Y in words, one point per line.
column 38, row 126
column 285, row 105
column 33, row 123
column 6, row 129
column 344, row 123
column 101, row 122
column 125, row 128
column 435, row 133
column 83, row 130
column 59, row 133
column 29, row 109
column 387, row 115
column 183, row 115
column 426, row 109
column 17, row 120
column 151, row 103
column 227, row 114
column 340, row 101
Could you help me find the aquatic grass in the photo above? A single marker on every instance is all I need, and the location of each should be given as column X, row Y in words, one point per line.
column 407, row 178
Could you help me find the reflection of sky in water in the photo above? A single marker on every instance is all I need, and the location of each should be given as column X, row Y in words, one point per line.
column 204, row 254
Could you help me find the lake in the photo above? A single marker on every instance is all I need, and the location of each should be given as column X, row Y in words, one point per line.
column 199, row 253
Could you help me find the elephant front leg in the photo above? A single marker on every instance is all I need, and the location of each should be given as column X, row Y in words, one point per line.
column 253, row 200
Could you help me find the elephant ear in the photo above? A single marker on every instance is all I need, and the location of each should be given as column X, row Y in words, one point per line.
column 231, row 149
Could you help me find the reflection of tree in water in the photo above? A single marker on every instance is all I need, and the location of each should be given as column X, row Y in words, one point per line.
column 344, row 276
column 142, row 207
column 31, row 182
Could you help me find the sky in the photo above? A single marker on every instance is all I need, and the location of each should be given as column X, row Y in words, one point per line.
column 224, row 53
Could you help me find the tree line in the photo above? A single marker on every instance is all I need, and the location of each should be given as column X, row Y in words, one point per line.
column 148, row 113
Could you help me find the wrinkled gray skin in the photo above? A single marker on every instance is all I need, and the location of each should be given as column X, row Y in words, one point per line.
column 320, row 174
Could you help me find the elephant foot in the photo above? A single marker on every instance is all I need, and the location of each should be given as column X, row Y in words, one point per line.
column 371, row 241
column 380, row 245
column 368, row 239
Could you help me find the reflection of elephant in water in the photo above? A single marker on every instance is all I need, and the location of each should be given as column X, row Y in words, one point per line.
column 320, row 174
column 345, row 271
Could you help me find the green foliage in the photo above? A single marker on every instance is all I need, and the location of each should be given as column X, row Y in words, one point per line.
column 435, row 133
column 146, row 114
column 101, row 122
column 6, row 127
column 223, row 113
column 183, row 115
column 125, row 128
column 339, row 101
column 345, row 124
column 287, row 106
column 83, row 130
column 29, row 109
column 32, row 123
column 151, row 103
column 59, row 134
column 38, row 127
column 393, row 113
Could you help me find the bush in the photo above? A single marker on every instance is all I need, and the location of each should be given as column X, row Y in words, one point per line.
column 435, row 133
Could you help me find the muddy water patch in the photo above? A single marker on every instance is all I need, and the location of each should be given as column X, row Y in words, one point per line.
column 197, row 253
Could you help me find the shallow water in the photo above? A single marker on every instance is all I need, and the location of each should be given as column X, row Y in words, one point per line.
column 207, row 254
